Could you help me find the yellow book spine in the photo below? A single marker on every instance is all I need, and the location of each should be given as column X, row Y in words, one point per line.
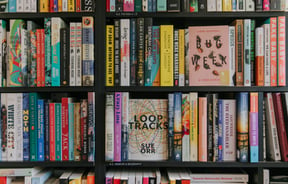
column 44, row 6
column 109, row 55
column 59, row 5
column 193, row 127
column 75, row 181
column 226, row 5
column 166, row 55
column 181, row 56
column 71, row 5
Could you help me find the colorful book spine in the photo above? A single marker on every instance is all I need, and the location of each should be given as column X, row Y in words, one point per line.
column 281, row 50
column 177, row 127
column 128, row 6
column 51, row 6
column 161, row 6
column 65, row 101
column 253, row 128
column 202, row 143
column 193, row 126
column 11, row 126
column 71, row 5
column 40, row 131
column 77, row 132
column 56, row 24
column 33, row 59
column 186, row 127
column 133, row 56
column 88, row 51
column 259, row 54
column 109, row 55
column 242, row 126
column 58, row 128
column 166, row 55
column 247, row 50
column 235, row 5
column 171, row 126
column 215, row 126
column 140, row 51
column 220, row 129
column 210, row 148
column 109, row 127
column 44, row 6
column 78, row 56
column 273, row 51
column 155, row 72
column 148, row 51
column 117, row 126
column 226, row 5
column 25, row 113
column 176, row 58
column 181, row 57
column 186, row 47
column 91, row 126
column 125, row 52
column 24, row 57
column 71, row 131
column 3, row 46
column 33, row 117
column 39, row 58
column 52, row 131
column 266, row 5
column 56, row 5
column 83, row 129
column 124, row 126
column 266, row 28
column 72, row 54
column 47, row 28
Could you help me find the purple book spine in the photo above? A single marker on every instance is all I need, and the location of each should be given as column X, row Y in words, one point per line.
column 253, row 137
column 117, row 127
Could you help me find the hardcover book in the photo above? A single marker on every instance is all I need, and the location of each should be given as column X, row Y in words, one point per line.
column 209, row 56
column 148, row 129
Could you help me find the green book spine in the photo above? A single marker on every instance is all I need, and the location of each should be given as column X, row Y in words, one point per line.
column 138, row 5
column 58, row 128
column 33, row 97
column 47, row 27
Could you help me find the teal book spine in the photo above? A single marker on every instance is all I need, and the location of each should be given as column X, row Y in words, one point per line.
column 71, row 130
column 47, row 28
column 12, row 6
column 161, row 5
column 33, row 97
column 155, row 68
column 58, row 128
column 138, row 5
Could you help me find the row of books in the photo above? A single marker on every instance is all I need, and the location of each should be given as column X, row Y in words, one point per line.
column 172, row 175
column 39, row 128
column 39, row 175
column 184, row 127
column 275, row 129
column 239, row 54
column 33, row 6
column 54, row 54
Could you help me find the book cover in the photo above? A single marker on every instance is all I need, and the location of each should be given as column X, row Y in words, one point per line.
column 109, row 55
column 91, row 126
column 124, row 126
column 171, row 126
column 64, row 5
column 117, row 126
column 148, row 139
column 219, row 5
column 125, row 52
column 241, row 4
column 48, row 63
column 193, row 126
column 78, row 55
column 88, row 51
column 202, row 143
column 281, row 51
column 109, row 127
column 185, row 111
column 177, row 126
column 119, row 5
column 51, row 6
column 253, row 128
column 166, row 55
column 209, row 60
column 259, row 56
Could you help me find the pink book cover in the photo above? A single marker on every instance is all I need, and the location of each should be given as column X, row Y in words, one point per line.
column 273, row 51
column 202, row 150
column 209, row 56
column 128, row 6
column 117, row 127
column 266, row 5
column 281, row 51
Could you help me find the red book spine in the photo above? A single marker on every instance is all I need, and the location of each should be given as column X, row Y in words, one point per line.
column 65, row 128
column 282, row 135
column 273, row 51
column 281, row 67
column 51, row 7
column 38, row 55
column 52, row 131
column 78, row 5
column 42, row 52
column 3, row 179
column 107, row 5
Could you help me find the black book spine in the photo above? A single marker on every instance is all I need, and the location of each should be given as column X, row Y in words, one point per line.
column 64, row 56
column 140, row 51
column 133, row 56
column 173, row 5
column 259, row 5
column 47, row 131
column 119, row 5
column 210, row 127
column 87, row 5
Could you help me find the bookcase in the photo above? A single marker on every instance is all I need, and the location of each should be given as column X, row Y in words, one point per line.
column 101, row 18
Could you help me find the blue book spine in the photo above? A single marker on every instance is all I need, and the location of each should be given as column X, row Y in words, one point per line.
column 154, row 5
column 47, row 131
column 220, row 130
column 55, row 5
column 150, row 5
column 133, row 56
column 177, row 126
column 170, row 126
column 58, row 130
column 12, row 6
column 91, row 127
column 155, row 55
column 71, row 130
column 41, row 178
column 26, row 147
column 40, row 131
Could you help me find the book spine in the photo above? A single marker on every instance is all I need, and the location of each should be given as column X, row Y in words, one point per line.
column 40, row 131
column 281, row 51
column 252, row 53
column 273, row 51
column 209, row 127
column 226, row 5
column 77, row 132
column 138, row 5
column 109, row 55
column 117, row 126
column 47, row 28
column 220, row 130
column 44, row 6
column 149, row 5
column 24, row 50
column 88, row 5
column 155, row 72
column 241, row 4
column 154, row 5
column 33, row 59
column 3, row 43
column 181, row 57
column 65, row 127
column 84, row 125
column 266, row 28
column 232, row 54
column 47, row 130
column 202, row 148
column 33, row 6
column 219, row 5
column 247, row 50
column 19, row 5
column 173, row 5
column 88, row 51
column 78, row 5
column 124, row 126
column 166, row 55
column 194, row 4
column 177, row 127
column 211, row 6
column 64, row 5
column 250, row 5
column 235, row 5
column 185, row 109
column 25, row 113
column 176, row 57
column 171, row 126
column 128, row 6
column 38, row 54
column 215, row 127
column 42, row 66
column 148, row 51
column 64, row 64
column 51, row 6
column 186, row 47
column 71, row 131
column 239, row 52
column 144, row 5
column 12, row 6
column 140, row 51
column 119, row 5
column 276, row 5
column 161, row 6
column 4, row 127
column 258, row 5
column 58, row 132
column 266, row 5
column 117, row 69
column 52, row 131
column 72, row 55
column 33, row 117
column 109, row 128
column 55, row 7
column 193, row 126
column 91, row 126
column 78, row 56
column 133, row 56
column 71, row 5
column 125, row 52
column 259, row 54
column 11, row 127
column 18, row 117
column 253, row 128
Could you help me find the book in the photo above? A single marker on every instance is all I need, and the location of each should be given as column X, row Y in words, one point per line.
column 117, row 126
column 77, row 131
column 78, row 55
column 181, row 56
column 281, row 50
column 273, row 50
column 155, row 72
column 52, row 131
column 64, row 56
column 185, row 111
column 142, row 121
column 109, row 55
column 25, row 113
column 91, row 126
column 209, row 64
column 124, row 126
column 202, row 138
column 259, row 56
column 72, row 54
column 33, row 126
column 148, row 51
column 125, row 51
column 109, row 128
column 140, row 51
column 177, row 127
column 40, row 131
column 20, row 171
column 48, row 63
column 171, row 126
column 253, row 128
column 84, row 129
column 247, row 51
column 193, row 126
column 267, row 68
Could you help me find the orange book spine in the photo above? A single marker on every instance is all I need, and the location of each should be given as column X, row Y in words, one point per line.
column 202, row 149
column 78, row 5
column 259, row 53
column 273, row 51
column 59, row 5
column 281, row 50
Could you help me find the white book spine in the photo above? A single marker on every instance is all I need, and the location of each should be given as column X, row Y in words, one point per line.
column 18, row 119
column 266, row 176
column 64, row 5
column 11, row 127
column 229, row 130
column 193, row 126
column 232, row 53
column 273, row 149
column 266, row 54
column 78, row 48
column 24, row 57
column 247, row 52
column 241, row 5
column 186, row 137
column 27, row 4
column 33, row 6
column 20, row 6
column 219, row 5
column 250, row 5
column 286, row 5
column 145, row 5
column 27, row 179
column 211, row 5
column 72, row 54
column 125, row 52
column 109, row 127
